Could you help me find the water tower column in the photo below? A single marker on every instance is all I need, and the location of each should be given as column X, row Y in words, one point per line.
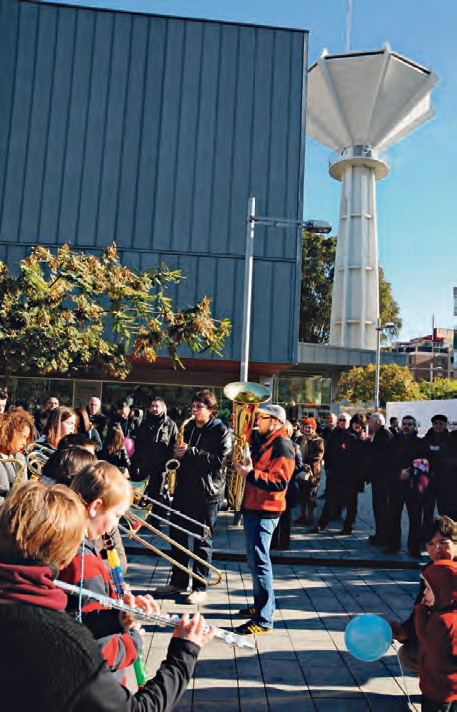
column 355, row 302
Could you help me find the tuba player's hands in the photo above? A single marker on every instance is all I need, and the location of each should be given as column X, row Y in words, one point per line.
column 245, row 469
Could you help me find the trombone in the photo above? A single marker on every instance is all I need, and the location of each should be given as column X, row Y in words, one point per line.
column 134, row 522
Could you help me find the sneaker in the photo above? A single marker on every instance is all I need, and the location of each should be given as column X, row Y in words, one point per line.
column 345, row 531
column 247, row 612
column 251, row 628
column 195, row 597
column 169, row 589
column 317, row 529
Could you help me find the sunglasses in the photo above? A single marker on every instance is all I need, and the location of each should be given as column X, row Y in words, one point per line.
column 264, row 417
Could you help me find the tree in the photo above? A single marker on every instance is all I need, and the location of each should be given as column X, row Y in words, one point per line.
column 389, row 309
column 396, row 383
column 73, row 311
column 318, row 268
column 441, row 389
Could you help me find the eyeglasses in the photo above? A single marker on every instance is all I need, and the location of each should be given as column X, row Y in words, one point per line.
column 341, row 420
column 264, row 417
column 440, row 543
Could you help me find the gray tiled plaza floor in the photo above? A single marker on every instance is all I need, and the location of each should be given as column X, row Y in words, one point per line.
column 303, row 664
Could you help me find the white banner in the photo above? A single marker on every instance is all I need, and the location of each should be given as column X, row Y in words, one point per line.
column 424, row 411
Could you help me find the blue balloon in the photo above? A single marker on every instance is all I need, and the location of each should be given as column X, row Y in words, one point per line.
column 368, row 637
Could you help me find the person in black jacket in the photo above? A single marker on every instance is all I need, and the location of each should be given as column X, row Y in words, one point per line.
column 378, row 476
column 435, row 441
column 342, row 458
column 402, row 490
column 154, row 446
column 49, row 662
column 200, row 488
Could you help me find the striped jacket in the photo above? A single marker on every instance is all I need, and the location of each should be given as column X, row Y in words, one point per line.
column 119, row 647
column 266, row 484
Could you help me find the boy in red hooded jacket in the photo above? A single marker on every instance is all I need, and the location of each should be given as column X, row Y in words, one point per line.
column 436, row 626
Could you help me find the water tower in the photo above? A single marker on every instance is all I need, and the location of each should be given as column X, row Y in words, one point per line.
column 358, row 104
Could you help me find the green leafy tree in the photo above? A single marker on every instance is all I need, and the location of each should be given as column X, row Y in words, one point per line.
column 396, row 383
column 440, row 389
column 70, row 311
column 389, row 309
column 318, row 268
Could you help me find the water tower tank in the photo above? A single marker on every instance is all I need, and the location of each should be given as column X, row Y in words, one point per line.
column 358, row 104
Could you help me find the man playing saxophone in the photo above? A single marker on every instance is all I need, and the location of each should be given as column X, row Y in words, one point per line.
column 267, row 476
column 200, row 486
column 154, row 446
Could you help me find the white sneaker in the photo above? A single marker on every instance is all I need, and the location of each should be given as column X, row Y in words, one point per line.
column 168, row 590
column 195, row 597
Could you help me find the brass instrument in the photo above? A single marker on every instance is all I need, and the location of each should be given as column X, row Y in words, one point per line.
column 173, row 465
column 36, row 455
column 134, row 522
column 160, row 619
column 21, row 472
column 246, row 398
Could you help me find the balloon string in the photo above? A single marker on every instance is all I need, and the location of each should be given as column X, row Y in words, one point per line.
column 410, row 704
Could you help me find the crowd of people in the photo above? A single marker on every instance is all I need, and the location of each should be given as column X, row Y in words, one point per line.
column 64, row 525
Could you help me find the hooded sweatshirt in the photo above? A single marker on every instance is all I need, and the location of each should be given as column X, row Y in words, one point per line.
column 436, row 628
column 51, row 663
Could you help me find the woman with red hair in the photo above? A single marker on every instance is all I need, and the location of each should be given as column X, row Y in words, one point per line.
column 312, row 450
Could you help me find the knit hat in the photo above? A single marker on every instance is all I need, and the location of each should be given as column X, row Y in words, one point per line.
column 275, row 411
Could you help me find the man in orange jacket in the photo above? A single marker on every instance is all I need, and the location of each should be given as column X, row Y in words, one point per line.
column 267, row 476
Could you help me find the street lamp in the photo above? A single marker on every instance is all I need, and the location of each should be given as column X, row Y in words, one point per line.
column 433, row 369
column 316, row 226
column 379, row 328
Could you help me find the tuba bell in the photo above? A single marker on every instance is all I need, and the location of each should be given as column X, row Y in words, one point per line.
column 246, row 397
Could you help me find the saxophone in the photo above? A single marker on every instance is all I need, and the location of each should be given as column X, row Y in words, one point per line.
column 246, row 398
column 173, row 465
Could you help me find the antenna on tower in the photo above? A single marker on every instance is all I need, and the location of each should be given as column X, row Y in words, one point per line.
column 348, row 25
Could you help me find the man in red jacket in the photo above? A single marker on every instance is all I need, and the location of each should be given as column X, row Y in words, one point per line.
column 267, row 476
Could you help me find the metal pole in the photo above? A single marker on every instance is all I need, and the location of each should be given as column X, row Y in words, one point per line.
column 247, row 299
column 431, row 379
column 377, row 367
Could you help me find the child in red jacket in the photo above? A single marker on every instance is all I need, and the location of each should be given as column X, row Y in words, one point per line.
column 436, row 626
column 107, row 494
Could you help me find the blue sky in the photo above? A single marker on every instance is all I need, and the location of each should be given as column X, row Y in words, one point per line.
column 417, row 201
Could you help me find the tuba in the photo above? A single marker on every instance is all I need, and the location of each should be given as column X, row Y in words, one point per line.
column 246, row 397
column 173, row 465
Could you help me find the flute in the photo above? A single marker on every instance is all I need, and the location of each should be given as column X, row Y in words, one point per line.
column 160, row 619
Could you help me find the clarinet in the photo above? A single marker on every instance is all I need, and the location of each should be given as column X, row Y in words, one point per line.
column 160, row 619
column 120, row 588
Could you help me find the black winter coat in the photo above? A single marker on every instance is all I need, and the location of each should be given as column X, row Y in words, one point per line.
column 380, row 456
column 154, row 445
column 201, row 476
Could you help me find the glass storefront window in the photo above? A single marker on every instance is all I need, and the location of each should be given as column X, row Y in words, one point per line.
column 303, row 396
column 31, row 393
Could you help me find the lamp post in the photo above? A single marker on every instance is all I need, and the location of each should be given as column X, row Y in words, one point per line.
column 432, row 376
column 316, row 226
column 379, row 328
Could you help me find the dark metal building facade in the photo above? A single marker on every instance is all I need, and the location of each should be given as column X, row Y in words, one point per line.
column 153, row 132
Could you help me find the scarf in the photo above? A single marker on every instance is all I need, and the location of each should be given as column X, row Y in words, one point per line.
column 27, row 582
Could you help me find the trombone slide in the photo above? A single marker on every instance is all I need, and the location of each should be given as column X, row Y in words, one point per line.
column 160, row 619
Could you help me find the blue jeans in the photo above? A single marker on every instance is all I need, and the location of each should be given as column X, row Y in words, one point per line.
column 258, row 533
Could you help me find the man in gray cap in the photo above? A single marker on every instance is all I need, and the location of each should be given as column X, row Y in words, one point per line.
column 267, row 476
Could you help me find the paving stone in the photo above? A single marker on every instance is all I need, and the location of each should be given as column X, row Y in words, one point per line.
column 303, row 664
